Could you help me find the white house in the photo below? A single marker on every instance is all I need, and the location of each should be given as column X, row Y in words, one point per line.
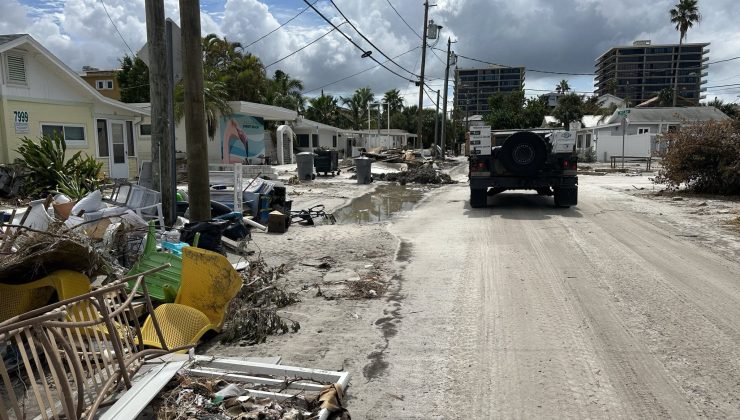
column 643, row 125
column 40, row 95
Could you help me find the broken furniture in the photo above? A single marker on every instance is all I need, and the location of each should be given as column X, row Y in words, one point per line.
column 306, row 217
column 68, row 368
column 161, row 284
column 21, row 298
column 276, row 382
column 146, row 203
column 208, row 283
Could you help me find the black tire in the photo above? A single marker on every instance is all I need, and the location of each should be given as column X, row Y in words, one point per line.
column 478, row 198
column 523, row 153
column 565, row 197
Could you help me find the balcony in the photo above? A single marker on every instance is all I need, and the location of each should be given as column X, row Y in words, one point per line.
column 705, row 59
column 706, row 51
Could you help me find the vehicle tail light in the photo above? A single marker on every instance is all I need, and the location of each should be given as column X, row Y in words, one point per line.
column 479, row 167
column 570, row 164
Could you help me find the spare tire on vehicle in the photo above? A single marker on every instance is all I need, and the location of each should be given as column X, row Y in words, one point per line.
column 523, row 153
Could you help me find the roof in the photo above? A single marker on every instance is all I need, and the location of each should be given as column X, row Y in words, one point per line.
column 669, row 114
column 266, row 112
column 4, row 39
column 392, row 132
column 587, row 121
column 306, row 123
column 8, row 42
column 619, row 47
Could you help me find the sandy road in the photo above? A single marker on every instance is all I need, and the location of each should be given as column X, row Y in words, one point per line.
column 522, row 310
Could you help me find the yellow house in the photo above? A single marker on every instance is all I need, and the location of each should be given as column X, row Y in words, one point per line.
column 104, row 81
column 41, row 95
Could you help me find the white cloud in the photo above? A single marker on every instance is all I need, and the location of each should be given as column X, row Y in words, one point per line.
column 566, row 35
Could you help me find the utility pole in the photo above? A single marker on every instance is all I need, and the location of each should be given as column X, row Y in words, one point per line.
column 158, row 88
column 444, row 100
column 420, row 116
column 436, row 123
column 195, row 118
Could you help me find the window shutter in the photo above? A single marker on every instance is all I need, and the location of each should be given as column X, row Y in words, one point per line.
column 16, row 69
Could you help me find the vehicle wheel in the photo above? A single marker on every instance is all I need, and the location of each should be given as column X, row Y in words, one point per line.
column 523, row 153
column 565, row 197
column 544, row 191
column 339, row 171
column 478, row 198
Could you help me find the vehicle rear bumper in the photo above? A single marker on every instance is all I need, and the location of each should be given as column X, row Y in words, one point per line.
column 524, row 183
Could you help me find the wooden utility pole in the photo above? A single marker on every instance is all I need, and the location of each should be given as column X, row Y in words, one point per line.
column 420, row 117
column 444, row 100
column 194, row 105
column 155, row 34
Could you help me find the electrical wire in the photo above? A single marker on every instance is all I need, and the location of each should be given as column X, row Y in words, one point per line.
column 305, row 46
column 404, row 20
column 358, row 73
column 368, row 41
column 273, row 31
column 116, row 28
column 353, row 42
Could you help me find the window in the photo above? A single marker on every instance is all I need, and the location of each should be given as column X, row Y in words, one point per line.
column 145, row 130
column 643, row 130
column 102, row 126
column 303, row 140
column 73, row 135
column 580, row 141
column 104, row 84
column 130, row 139
column 334, row 141
column 15, row 69
column 315, row 140
column 588, row 140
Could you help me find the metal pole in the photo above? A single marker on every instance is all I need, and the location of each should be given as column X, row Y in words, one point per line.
column 436, row 124
column 624, row 130
column 444, row 97
column 420, row 116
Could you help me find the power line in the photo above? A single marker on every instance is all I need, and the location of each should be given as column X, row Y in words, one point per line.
column 726, row 59
column 116, row 28
column 285, row 23
column 305, row 46
column 412, row 29
column 358, row 73
column 368, row 41
column 365, row 53
column 404, row 20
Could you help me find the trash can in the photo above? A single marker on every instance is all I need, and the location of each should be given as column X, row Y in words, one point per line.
column 305, row 166
column 326, row 161
column 363, row 166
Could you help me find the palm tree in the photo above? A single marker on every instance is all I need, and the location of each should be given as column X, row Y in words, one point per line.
column 562, row 87
column 357, row 106
column 285, row 91
column 215, row 96
column 684, row 15
column 323, row 109
column 394, row 100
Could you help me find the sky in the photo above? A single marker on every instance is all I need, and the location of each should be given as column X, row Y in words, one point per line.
column 553, row 35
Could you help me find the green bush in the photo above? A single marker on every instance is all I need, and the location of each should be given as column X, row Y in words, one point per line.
column 50, row 172
column 703, row 156
column 587, row 155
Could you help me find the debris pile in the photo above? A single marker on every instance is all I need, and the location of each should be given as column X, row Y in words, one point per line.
column 425, row 174
column 253, row 313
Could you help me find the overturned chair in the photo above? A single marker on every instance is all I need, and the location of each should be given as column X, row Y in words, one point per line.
column 74, row 355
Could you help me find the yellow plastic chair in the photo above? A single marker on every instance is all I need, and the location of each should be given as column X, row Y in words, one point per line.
column 18, row 299
column 208, row 284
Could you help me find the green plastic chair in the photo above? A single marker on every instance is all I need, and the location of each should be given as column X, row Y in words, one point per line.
column 162, row 285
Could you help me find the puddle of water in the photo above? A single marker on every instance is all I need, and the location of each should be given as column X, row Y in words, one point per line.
column 381, row 204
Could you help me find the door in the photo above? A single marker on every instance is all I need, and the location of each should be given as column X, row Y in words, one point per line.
column 118, row 157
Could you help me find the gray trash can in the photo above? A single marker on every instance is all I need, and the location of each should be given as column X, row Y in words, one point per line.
column 305, row 166
column 364, row 166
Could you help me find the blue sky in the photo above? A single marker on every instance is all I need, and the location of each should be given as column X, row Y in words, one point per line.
column 563, row 35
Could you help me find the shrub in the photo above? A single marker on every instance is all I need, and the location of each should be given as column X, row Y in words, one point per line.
column 704, row 156
column 50, row 172
column 587, row 155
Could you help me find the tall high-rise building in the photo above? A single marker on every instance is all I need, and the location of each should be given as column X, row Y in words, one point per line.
column 639, row 72
column 474, row 86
